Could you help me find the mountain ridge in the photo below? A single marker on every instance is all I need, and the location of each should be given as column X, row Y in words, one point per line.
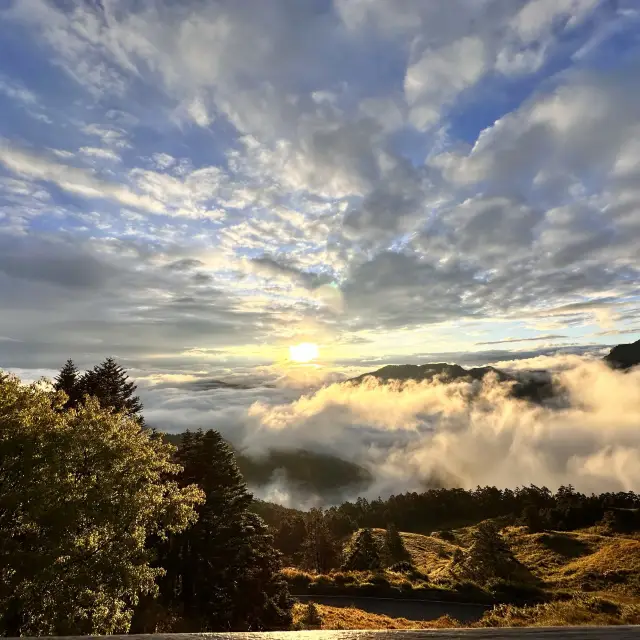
column 622, row 356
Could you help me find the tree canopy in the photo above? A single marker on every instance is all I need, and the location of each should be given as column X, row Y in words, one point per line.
column 110, row 384
column 81, row 493
column 364, row 554
column 68, row 380
column 222, row 573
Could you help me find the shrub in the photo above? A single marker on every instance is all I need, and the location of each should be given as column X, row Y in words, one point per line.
column 600, row 605
column 516, row 592
column 402, row 567
column 312, row 617
column 444, row 534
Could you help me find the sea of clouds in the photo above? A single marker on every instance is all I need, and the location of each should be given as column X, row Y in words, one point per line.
column 413, row 435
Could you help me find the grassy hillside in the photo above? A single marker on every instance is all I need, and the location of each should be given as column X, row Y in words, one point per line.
column 577, row 611
column 352, row 618
column 580, row 577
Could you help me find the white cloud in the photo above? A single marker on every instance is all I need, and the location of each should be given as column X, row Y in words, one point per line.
column 17, row 91
column 438, row 76
column 71, row 179
column 409, row 434
column 198, row 112
column 97, row 152
column 537, row 17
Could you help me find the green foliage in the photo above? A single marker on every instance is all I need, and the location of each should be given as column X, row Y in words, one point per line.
column 532, row 519
column 81, row 492
column 222, row 573
column 290, row 537
column 321, row 549
column 364, row 554
column 489, row 556
column 308, row 471
column 621, row 520
column 394, row 549
column 403, row 566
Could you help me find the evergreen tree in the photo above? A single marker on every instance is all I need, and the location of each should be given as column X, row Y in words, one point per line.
column 109, row 383
column 290, row 537
column 532, row 519
column 489, row 556
column 394, row 549
column 340, row 524
column 223, row 573
column 364, row 554
column 69, row 381
column 320, row 548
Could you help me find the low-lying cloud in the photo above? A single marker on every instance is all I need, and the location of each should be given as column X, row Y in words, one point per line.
column 413, row 435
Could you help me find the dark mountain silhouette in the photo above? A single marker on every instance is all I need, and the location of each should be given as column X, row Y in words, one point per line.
column 535, row 389
column 308, row 472
column 624, row 356
column 429, row 371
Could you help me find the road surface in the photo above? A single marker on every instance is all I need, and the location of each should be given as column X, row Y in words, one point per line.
column 548, row 633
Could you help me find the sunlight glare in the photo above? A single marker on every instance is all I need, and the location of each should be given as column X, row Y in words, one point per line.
column 303, row 352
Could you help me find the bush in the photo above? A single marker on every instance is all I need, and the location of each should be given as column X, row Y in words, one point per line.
column 341, row 578
column 444, row 534
column 379, row 580
column 402, row 567
column 516, row 592
column 600, row 605
column 297, row 579
column 323, row 581
column 312, row 617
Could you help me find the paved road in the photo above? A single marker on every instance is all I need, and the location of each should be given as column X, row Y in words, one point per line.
column 549, row 633
column 410, row 608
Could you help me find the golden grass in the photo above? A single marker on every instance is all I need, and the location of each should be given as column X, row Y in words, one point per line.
column 352, row 618
column 573, row 559
column 299, row 578
column 543, row 553
column 569, row 562
column 579, row 611
column 430, row 555
column 617, row 555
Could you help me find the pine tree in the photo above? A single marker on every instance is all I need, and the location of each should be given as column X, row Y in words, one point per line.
column 489, row 556
column 69, row 381
column 364, row 554
column 320, row 548
column 223, row 573
column 290, row 537
column 394, row 549
column 109, row 383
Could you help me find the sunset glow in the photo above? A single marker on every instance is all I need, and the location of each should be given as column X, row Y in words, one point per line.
column 303, row 352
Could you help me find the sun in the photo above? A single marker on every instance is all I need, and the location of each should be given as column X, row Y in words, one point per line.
column 303, row 352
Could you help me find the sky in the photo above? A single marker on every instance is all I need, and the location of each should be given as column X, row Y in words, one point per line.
column 192, row 187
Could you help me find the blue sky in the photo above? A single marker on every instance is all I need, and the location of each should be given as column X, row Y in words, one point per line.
column 198, row 185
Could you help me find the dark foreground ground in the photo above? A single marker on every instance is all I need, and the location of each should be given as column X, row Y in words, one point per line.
column 541, row 633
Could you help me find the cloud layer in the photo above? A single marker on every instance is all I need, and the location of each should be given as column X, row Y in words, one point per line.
column 413, row 435
column 191, row 186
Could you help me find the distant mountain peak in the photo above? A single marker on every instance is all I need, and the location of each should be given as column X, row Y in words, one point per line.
column 419, row 372
column 624, row 356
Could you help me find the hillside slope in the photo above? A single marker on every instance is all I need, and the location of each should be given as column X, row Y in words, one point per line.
column 578, row 577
